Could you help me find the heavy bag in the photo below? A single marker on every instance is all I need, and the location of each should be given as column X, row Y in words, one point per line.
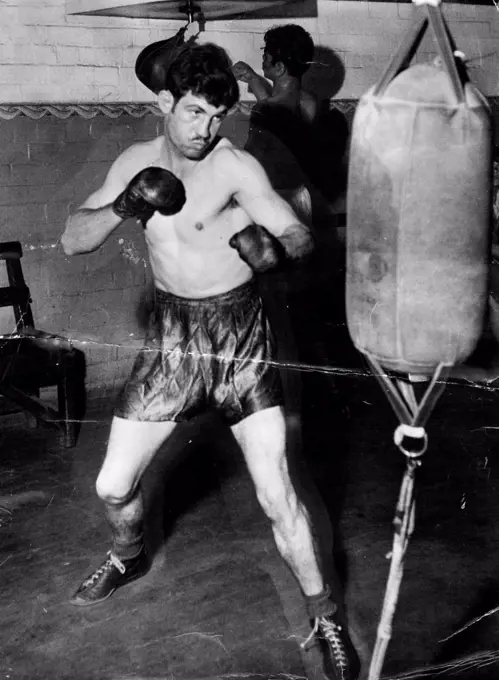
column 418, row 214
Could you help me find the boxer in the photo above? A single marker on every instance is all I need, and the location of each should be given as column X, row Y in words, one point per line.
column 211, row 221
column 287, row 54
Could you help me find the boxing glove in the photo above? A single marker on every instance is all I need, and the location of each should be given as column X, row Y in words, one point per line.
column 150, row 190
column 258, row 248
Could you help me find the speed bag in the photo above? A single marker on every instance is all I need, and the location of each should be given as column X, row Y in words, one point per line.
column 418, row 221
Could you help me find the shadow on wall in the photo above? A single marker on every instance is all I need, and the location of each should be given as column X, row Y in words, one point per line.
column 324, row 79
column 293, row 153
column 145, row 306
column 326, row 74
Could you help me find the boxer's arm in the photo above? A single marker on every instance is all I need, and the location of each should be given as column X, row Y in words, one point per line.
column 260, row 88
column 88, row 227
column 254, row 193
column 257, row 85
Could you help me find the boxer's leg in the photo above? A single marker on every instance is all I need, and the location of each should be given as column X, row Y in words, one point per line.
column 262, row 438
column 132, row 445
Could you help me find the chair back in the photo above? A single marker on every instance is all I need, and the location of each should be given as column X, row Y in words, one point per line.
column 16, row 294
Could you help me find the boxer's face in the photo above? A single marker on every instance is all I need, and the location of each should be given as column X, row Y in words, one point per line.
column 191, row 122
column 266, row 63
column 270, row 70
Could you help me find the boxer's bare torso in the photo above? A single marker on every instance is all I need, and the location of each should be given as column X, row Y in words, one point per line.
column 226, row 190
column 189, row 252
column 297, row 101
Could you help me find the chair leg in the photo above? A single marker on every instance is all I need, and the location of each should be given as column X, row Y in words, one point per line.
column 66, row 414
column 67, row 394
column 32, row 421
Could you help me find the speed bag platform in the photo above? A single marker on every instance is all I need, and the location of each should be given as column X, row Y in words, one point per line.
column 419, row 215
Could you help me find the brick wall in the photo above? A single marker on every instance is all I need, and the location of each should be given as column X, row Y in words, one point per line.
column 49, row 165
column 46, row 167
column 46, row 55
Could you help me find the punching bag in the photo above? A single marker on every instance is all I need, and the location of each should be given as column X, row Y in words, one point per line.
column 418, row 212
column 153, row 62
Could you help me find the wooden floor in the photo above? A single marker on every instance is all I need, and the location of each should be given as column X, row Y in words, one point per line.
column 219, row 602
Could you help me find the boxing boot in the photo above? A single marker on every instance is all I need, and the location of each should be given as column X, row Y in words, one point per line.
column 330, row 630
column 112, row 574
column 340, row 660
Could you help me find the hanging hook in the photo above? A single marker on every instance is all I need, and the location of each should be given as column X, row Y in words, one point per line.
column 409, row 432
column 191, row 10
column 194, row 15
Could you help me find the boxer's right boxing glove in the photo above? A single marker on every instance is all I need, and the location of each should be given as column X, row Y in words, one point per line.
column 258, row 248
column 150, row 190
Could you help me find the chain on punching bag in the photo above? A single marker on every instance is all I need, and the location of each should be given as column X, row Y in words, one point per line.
column 418, row 232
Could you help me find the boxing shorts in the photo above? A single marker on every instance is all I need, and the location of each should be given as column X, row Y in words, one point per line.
column 216, row 352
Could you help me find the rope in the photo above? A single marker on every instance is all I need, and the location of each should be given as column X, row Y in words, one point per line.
column 404, row 525
column 412, row 440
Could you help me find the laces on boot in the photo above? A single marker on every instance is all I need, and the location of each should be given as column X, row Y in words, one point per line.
column 112, row 561
column 332, row 633
column 116, row 562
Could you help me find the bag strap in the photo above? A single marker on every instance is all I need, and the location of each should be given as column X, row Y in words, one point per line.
column 411, row 42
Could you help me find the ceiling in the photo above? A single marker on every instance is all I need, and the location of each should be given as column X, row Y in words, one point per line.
column 211, row 10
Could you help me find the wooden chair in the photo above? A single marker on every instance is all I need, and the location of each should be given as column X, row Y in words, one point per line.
column 31, row 359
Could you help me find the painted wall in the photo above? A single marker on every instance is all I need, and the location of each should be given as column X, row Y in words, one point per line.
column 46, row 55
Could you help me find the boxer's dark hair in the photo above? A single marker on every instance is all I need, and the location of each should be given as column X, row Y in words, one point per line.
column 206, row 71
column 292, row 45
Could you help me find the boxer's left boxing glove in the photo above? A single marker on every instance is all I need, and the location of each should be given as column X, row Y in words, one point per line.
column 258, row 248
column 151, row 189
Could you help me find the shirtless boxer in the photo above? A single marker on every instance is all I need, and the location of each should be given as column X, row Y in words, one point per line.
column 287, row 54
column 314, row 134
column 211, row 219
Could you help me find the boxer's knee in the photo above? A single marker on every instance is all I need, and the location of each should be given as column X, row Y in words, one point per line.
column 113, row 488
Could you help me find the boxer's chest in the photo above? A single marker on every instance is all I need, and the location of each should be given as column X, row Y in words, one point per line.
column 209, row 218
